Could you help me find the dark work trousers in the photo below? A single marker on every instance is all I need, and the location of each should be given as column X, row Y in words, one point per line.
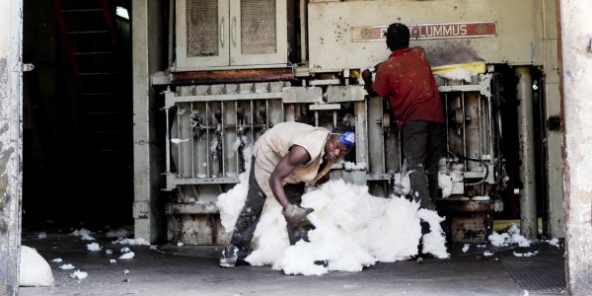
column 251, row 212
column 423, row 143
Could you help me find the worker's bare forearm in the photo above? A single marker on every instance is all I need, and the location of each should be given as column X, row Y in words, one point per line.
column 282, row 170
column 367, row 77
column 371, row 91
column 286, row 166
column 278, row 191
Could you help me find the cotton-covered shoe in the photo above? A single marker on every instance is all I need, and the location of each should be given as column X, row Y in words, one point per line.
column 229, row 256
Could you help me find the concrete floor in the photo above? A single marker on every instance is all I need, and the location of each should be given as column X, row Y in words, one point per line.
column 154, row 272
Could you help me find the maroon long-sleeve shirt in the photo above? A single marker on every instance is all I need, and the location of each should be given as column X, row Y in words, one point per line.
column 407, row 79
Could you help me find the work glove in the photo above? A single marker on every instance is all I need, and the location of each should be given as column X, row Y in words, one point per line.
column 296, row 217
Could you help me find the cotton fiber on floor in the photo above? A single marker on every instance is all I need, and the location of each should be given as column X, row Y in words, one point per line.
column 353, row 229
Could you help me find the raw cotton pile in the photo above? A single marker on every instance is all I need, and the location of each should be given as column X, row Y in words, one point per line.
column 353, row 229
column 34, row 270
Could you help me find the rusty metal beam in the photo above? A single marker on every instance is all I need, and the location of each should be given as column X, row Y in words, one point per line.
column 229, row 76
column 192, row 208
column 451, row 205
column 471, row 227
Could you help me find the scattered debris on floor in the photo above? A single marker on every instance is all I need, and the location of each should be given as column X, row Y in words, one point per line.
column 127, row 256
column 83, row 233
column 38, row 272
column 67, row 266
column 466, row 248
column 79, row 274
column 511, row 237
column 93, row 247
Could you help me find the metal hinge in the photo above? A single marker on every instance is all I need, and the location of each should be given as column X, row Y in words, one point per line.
column 28, row 67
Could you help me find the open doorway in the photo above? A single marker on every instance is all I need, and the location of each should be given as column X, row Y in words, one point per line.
column 77, row 114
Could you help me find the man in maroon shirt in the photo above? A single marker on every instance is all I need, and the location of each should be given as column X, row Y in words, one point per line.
column 407, row 79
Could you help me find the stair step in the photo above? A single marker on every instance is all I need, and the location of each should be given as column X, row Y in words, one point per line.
column 99, row 63
column 92, row 42
column 122, row 105
column 98, row 73
column 105, row 131
column 80, row 22
column 116, row 150
column 88, row 32
column 82, row 10
column 103, row 83
column 114, row 132
column 94, row 53
column 113, row 161
column 103, row 94
column 117, row 168
column 104, row 113
column 79, row 5
column 107, row 141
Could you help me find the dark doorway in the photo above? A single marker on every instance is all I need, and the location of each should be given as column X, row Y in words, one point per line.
column 78, row 159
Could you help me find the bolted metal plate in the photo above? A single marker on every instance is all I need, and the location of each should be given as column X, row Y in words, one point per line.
column 141, row 210
column 197, row 230
column 471, row 228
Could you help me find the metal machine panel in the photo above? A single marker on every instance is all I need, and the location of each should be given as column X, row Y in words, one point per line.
column 518, row 38
column 258, row 27
column 258, row 32
column 230, row 34
column 202, row 33
column 207, row 124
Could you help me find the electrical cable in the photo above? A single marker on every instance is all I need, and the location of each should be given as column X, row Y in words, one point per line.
column 482, row 161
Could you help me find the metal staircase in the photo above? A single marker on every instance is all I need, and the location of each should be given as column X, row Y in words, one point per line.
column 103, row 106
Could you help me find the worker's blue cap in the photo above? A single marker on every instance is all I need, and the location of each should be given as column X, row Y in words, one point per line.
column 348, row 138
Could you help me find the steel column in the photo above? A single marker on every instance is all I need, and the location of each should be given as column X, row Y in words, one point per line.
column 375, row 136
column 554, row 137
column 528, row 214
column 147, row 28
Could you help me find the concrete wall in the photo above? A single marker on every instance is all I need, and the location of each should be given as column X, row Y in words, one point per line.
column 576, row 87
column 11, row 139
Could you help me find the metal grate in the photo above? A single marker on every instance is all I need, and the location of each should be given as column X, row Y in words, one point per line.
column 211, row 126
column 541, row 275
column 258, row 27
column 202, row 28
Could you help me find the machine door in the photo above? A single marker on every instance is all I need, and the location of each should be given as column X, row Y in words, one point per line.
column 230, row 34
column 258, row 32
column 202, row 33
